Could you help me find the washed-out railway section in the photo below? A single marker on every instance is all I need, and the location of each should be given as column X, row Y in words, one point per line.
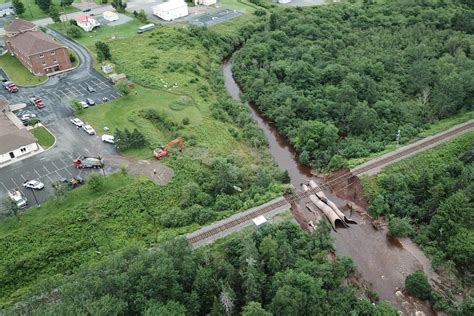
column 314, row 192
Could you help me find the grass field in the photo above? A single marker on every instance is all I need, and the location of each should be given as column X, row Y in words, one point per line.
column 44, row 137
column 33, row 12
column 17, row 73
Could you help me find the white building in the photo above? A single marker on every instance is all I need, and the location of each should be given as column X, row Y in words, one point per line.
column 15, row 142
column 284, row 1
column 171, row 10
column 6, row 9
column 110, row 16
column 205, row 2
column 87, row 23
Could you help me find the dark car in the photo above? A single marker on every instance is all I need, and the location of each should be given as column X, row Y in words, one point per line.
column 86, row 10
column 90, row 101
column 90, row 89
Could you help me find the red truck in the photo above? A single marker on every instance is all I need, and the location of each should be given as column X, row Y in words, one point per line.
column 10, row 86
column 36, row 101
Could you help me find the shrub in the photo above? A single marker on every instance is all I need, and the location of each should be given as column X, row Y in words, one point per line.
column 417, row 285
column 186, row 121
column 399, row 227
column 95, row 182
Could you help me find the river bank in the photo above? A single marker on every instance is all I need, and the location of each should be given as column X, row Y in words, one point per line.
column 382, row 262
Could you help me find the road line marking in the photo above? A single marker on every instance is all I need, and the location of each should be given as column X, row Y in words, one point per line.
column 21, row 175
column 49, row 178
column 14, row 182
column 37, row 173
column 68, row 171
column 55, row 166
column 46, row 169
column 4, row 186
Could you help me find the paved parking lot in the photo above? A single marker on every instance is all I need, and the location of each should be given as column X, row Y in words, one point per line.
column 71, row 142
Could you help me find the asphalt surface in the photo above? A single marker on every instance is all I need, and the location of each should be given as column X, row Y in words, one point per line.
column 71, row 142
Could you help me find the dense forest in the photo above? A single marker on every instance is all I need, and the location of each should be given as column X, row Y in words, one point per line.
column 431, row 198
column 278, row 269
column 340, row 80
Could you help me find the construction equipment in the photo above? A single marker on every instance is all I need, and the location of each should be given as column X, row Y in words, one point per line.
column 73, row 182
column 163, row 151
column 88, row 162
column 19, row 198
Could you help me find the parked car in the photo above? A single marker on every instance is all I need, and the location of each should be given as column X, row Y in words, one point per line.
column 25, row 118
column 86, row 10
column 36, row 102
column 33, row 184
column 108, row 139
column 84, row 104
column 90, row 102
column 90, row 89
column 88, row 129
column 10, row 86
column 77, row 122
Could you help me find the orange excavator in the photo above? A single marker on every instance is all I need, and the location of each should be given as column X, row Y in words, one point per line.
column 163, row 151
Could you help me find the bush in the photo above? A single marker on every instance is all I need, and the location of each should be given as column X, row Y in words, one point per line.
column 400, row 227
column 74, row 31
column 72, row 58
column 417, row 285
column 260, row 12
column 95, row 182
column 186, row 121
column 76, row 106
column 126, row 139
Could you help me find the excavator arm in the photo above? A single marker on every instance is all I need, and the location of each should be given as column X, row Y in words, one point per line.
column 159, row 153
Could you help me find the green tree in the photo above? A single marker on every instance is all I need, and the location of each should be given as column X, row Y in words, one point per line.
column 74, row 31
column 54, row 14
column 417, row 285
column 122, row 87
column 254, row 309
column 60, row 190
column 18, row 6
column 44, row 5
column 76, row 106
column 10, row 208
column 400, row 227
column 65, row 3
column 103, row 51
column 95, row 182
column 119, row 5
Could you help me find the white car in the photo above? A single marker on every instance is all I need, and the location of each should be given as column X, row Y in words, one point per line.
column 108, row 139
column 83, row 104
column 77, row 122
column 88, row 129
column 33, row 184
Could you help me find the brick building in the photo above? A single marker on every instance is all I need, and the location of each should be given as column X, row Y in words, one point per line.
column 35, row 50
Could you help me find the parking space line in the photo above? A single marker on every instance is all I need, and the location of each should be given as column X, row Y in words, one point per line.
column 37, row 173
column 46, row 169
column 6, row 189
column 68, row 171
column 21, row 175
column 16, row 185
column 47, row 176
column 54, row 165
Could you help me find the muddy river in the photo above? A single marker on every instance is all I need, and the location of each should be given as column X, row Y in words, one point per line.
column 381, row 262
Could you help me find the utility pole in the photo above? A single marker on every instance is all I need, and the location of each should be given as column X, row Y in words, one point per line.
column 398, row 137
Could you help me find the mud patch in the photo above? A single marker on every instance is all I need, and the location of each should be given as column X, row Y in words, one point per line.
column 347, row 187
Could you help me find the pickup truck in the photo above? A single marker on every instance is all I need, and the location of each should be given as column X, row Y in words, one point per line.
column 18, row 197
column 36, row 101
column 88, row 162
column 10, row 86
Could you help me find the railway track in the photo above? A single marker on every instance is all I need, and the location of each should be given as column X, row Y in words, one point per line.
column 293, row 198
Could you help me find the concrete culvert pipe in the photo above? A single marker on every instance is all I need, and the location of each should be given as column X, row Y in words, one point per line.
column 331, row 204
column 327, row 211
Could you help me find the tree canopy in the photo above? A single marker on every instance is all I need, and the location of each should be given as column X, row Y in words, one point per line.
column 361, row 71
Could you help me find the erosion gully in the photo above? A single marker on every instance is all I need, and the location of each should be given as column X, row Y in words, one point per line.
column 381, row 262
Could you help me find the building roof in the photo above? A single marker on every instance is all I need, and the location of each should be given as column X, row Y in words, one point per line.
column 83, row 18
column 109, row 13
column 11, row 137
column 19, row 25
column 32, row 43
column 171, row 5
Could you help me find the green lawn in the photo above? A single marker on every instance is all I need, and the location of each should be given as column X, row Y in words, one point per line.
column 44, row 137
column 33, row 12
column 17, row 73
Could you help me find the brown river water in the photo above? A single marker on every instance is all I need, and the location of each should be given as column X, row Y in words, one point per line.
column 383, row 263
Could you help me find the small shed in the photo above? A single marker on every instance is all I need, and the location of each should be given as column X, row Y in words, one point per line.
column 171, row 10
column 259, row 221
column 110, row 16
